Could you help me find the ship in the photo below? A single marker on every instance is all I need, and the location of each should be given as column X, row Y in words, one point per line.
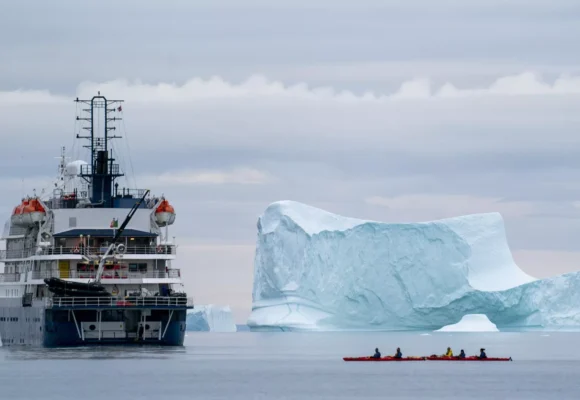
column 88, row 262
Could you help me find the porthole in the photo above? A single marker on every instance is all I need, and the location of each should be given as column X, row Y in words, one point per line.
column 92, row 327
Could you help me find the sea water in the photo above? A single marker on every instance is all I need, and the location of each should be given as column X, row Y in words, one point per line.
column 282, row 365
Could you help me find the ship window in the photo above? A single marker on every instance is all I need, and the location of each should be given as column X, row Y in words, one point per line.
column 72, row 222
column 141, row 267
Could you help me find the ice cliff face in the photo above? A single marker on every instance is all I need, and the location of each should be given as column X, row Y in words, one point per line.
column 318, row 271
column 210, row 318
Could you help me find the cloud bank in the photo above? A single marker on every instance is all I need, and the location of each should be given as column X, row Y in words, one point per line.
column 257, row 86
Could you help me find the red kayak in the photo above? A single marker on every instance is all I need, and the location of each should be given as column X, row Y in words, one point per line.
column 472, row 358
column 388, row 358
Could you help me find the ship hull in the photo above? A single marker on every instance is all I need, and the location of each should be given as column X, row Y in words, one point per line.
column 21, row 326
column 46, row 327
column 68, row 328
column 65, row 335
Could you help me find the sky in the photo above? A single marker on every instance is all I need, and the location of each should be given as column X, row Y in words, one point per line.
column 396, row 111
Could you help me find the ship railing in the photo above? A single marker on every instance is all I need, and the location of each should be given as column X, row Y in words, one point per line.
column 72, row 200
column 118, row 302
column 86, row 250
column 68, row 200
column 92, row 250
column 127, row 193
column 19, row 253
column 10, row 277
column 172, row 273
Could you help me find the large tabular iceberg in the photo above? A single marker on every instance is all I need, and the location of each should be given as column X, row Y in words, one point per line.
column 210, row 318
column 318, row 271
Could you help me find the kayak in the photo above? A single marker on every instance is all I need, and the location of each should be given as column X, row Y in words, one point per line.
column 471, row 358
column 430, row 358
column 388, row 358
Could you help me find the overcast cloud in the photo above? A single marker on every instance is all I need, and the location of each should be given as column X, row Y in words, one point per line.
column 386, row 110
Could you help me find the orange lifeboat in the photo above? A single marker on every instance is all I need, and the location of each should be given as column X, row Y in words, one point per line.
column 164, row 213
column 18, row 214
column 16, row 218
column 37, row 211
column 28, row 213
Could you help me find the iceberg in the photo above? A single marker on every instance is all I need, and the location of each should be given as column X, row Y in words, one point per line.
column 318, row 271
column 471, row 323
column 210, row 318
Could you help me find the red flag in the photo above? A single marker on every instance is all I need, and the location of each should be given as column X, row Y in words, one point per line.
column 119, row 108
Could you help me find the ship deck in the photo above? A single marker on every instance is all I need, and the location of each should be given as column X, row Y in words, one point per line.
column 100, row 303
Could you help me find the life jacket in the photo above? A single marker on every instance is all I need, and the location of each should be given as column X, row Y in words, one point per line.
column 449, row 353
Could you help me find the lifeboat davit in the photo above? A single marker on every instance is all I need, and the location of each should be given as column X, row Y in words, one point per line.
column 164, row 213
column 28, row 213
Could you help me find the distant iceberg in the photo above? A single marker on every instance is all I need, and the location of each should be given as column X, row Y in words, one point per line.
column 318, row 271
column 471, row 323
column 210, row 318
column 242, row 328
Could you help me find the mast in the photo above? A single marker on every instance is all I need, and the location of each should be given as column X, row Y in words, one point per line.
column 101, row 173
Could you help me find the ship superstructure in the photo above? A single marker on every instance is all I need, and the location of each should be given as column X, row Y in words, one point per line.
column 56, row 243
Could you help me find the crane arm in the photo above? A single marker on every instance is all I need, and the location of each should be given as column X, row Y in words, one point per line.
column 118, row 235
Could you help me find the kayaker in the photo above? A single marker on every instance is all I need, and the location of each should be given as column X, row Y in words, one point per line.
column 449, row 352
column 482, row 353
column 377, row 353
column 398, row 354
column 462, row 354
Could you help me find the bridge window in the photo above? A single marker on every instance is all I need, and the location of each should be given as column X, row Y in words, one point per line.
column 140, row 267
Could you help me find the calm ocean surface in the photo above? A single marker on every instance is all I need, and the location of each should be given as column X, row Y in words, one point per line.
column 298, row 366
